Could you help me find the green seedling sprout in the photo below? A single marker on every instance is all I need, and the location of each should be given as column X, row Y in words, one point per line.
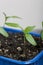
column 26, row 31
column 7, row 17
column 42, row 31
column 3, row 32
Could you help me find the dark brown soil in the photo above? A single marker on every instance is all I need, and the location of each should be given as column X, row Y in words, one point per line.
column 13, row 47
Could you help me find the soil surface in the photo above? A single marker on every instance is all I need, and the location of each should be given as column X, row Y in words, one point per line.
column 13, row 47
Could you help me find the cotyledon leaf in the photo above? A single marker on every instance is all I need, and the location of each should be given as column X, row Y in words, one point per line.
column 12, row 24
column 13, row 17
column 3, row 32
column 29, row 29
column 30, row 39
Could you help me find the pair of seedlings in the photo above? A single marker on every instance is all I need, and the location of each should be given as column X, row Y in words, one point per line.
column 26, row 31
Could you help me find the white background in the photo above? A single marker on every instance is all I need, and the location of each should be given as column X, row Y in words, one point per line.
column 31, row 11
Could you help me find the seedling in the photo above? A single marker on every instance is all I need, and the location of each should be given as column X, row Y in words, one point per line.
column 42, row 32
column 26, row 31
column 3, row 32
column 7, row 17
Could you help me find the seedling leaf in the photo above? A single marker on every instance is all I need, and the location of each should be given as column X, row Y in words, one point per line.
column 30, row 39
column 3, row 32
column 29, row 29
column 13, row 17
column 12, row 24
column 7, row 17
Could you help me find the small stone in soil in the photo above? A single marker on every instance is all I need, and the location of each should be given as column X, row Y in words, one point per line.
column 34, row 53
column 6, row 50
column 29, row 51
column 30, row 54
column 23, row 55
column 15, row 41
column 10, row 55
column 37, row 51
column 1, row 53
column 42, row 42
column 15, row 55
column 6, row 41
column 19, row 48
column 22, row 44
column 0, row 50
column 19, row 38
column 15, row 36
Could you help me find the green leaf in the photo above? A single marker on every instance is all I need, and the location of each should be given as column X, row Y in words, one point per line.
column 13, row 17
column 12, row 24
column 42, row 34
column 29, row 29
column 3, row 32
column 30, row 39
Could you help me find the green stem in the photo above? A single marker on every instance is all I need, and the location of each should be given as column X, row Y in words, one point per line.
column 5, row 18
column 24, row 40
column 24, row 44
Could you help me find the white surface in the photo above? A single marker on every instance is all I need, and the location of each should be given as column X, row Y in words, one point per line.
column 30, row 10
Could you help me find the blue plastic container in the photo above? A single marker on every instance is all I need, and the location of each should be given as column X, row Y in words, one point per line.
column 38, row 60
